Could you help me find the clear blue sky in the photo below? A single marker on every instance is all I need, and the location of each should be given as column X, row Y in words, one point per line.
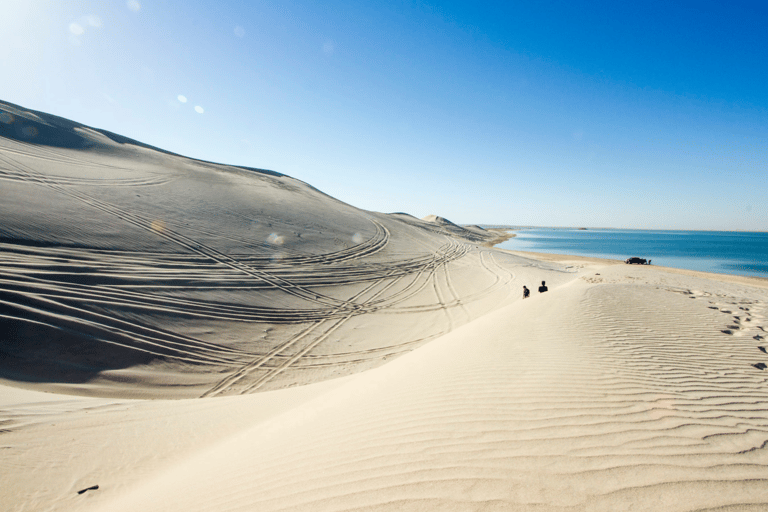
column 601, row 114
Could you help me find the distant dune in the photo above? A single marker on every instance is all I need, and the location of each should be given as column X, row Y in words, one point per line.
column 185, row 335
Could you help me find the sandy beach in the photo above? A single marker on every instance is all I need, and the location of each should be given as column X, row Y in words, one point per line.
column 184, row 335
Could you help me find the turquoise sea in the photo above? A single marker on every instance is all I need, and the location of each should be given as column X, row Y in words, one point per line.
column 724, row 252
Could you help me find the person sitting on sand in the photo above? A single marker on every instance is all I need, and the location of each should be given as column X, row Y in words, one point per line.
column 526, row 292
column 543, row 287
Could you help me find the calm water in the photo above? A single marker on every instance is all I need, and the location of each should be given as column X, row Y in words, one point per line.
column 709, row 251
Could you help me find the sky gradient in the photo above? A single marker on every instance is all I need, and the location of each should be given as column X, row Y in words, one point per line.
column 598, row 114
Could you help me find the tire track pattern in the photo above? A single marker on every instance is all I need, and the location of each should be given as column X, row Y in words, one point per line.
column 120, row 298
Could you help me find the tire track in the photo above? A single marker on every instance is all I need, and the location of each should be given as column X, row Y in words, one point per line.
column 258, row 362
column 102, row 292
column 326, row 331
column 42, row 152
column 456, row 297
column 272, row 373
column 111, row 330
column 467, row 297
column 193, row 245
column 8, row 174
column 440, row 301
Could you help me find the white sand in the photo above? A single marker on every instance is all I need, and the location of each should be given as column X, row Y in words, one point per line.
column 430, row 384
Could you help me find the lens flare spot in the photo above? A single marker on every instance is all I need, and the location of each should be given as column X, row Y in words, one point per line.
column 6, row 117
column 158, row 226
column 93, row 20
column 133, row 5
column 76, row 28
column 357, row 238
column 199, row 109
column 181, row 98
column 239, row 31
column 29, row 131
column 275, row 239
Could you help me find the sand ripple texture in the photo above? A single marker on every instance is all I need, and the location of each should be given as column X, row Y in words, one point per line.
column 618, row 396
column 129, row 271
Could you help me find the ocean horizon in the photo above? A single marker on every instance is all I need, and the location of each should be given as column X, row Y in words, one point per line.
column 742, row 253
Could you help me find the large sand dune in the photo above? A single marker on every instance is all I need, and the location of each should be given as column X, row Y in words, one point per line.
column 371, row 361
column 150, row 274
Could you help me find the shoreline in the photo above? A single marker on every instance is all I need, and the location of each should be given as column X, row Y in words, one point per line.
column 502, row 235
column 559, row 258
column 544, row 255
column 587, row 228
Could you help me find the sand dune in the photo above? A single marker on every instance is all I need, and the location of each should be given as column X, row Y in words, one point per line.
column 154, row 275
column 347, row 360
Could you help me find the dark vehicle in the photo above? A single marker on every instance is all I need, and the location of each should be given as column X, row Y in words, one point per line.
column 639, row 261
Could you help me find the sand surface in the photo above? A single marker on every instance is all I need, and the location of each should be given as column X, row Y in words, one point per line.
column 200, row 337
